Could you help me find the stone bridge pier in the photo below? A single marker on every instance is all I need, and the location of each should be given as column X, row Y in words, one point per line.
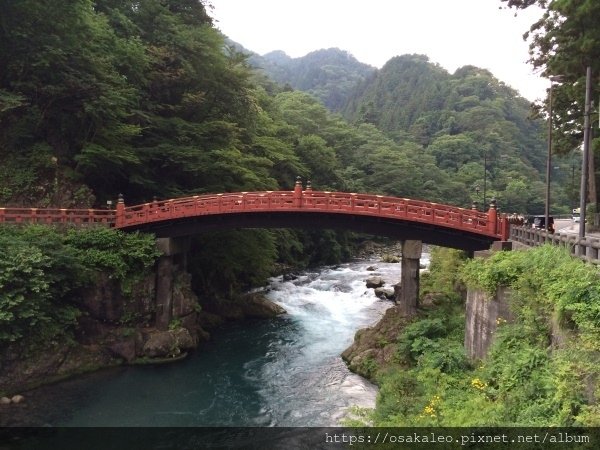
column 174, row 255
column 408, row 297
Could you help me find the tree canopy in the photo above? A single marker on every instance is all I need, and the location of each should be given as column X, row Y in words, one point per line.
column 563, row 43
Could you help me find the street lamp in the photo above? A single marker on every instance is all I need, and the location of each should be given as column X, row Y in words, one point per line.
column 553, row 79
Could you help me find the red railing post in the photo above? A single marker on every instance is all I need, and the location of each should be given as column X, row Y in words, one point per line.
column 504, row 228
column 298, row 193
column 492, row 218
column 308, row 192
column 120, row 218
column 154, row 207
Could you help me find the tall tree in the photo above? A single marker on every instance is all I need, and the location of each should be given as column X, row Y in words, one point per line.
column 565, row 41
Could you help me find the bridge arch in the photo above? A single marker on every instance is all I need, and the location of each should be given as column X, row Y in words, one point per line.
column 399, row 218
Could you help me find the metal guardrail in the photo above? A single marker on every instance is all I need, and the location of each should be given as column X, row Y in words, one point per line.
column 587, row 249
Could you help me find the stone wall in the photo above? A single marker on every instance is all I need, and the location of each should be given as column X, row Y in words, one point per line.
column 483, row 314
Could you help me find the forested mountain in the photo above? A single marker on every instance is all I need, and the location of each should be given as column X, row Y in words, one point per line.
column 466, row 120
column 146, row 98
column 331, row 74
column 477, row 129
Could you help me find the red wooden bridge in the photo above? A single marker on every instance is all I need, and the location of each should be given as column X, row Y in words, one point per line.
column 401, row 218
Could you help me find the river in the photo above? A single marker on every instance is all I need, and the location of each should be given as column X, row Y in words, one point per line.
column 281, row 372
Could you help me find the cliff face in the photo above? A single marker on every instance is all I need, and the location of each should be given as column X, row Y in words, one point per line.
column 122, row 325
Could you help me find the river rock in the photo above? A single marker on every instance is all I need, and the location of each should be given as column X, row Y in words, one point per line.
column 17, row 399
column 371, row 268
column 183, row 339
column 256, row 305
column 387, row 258
column 124, row 349
column 375, row 282
column 5, row 401
column 387, row 293
column 161, row 344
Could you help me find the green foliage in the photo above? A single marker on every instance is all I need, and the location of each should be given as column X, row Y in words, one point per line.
column 443, row 275
column 564, row 42
column 223, row 270
column 523, row 381
column 42, row 269
column 120, row 254
column 147, row 98
column 36, row 274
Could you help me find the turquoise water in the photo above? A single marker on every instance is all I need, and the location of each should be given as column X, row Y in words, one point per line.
column 280, row 372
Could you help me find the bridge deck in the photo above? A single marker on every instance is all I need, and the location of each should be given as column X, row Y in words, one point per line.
column 487, row 225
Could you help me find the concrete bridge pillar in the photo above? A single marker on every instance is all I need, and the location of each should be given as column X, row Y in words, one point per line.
column 174, row 254
column 411, row 262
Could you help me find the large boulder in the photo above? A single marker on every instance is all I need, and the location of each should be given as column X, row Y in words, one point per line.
column 254, row 305
column 124, row 349
column 184, row 339
column 386, row 293
column 374, row 282
column 257, row 305
column 162, row 344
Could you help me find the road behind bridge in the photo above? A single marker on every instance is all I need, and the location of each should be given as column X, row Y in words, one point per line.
column 567, row 226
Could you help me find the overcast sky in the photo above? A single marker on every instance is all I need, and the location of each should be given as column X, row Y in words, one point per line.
column 452, row 33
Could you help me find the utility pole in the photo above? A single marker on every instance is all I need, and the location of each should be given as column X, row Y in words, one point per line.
column 584, row 160
column 555, row 78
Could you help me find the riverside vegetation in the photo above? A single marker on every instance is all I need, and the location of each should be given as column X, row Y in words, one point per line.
column 147, row 98
column 542, row 369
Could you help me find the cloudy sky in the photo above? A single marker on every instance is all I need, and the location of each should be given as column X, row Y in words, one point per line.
column 453, row 33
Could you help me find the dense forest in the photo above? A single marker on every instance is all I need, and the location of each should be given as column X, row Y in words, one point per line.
column 148, row 99
column 470, row 122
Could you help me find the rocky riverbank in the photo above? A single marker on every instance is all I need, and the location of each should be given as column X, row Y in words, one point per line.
column 116, row 328
column 374, row 347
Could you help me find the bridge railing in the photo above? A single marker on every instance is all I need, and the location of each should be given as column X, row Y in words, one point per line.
column 489, row 223
column 587, row 249
column 57, row 216
column 312, row 201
